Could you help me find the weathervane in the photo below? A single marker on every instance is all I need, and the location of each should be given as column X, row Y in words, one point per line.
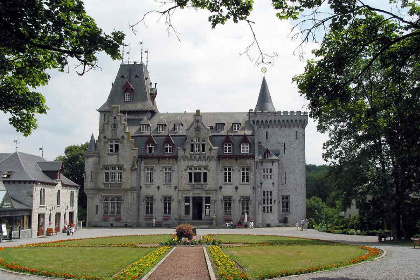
column 147, row 57
column 42, row 151
column 16, row 143
column 264, row 70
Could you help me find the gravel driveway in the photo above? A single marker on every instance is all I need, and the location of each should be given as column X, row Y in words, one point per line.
column 400, row 262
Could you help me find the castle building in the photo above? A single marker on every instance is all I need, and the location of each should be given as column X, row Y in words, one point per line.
column 149, row 167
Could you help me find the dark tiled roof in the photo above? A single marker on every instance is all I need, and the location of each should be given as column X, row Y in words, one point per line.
column 264, row 104
column 50, row 165
column 218, row 140
column 92, row 144
column 139, row 79
column 27, row 167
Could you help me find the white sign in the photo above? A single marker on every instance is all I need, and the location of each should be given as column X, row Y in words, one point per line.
column 4, row 230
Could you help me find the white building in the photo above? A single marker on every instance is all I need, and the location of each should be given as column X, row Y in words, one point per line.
column 35, row 195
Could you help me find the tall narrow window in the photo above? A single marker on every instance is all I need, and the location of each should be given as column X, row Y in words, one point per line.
column 161, row 127
column 149, row 175
column 284, row 148
column 245, row 174
column 267, row 201
column 42, row 196
column 149, row 205
column 245, row 205
column 167, row 175
column 127, row 97
column 227, row 174
column 72, row 199
column 296, row 134
column 207, row 206
column 58, row 197
column 285, row 203
column 236, row 126
column 187, row 206
column 266, row 135
column 227, row 205
column 285, row 178
column 167, row 201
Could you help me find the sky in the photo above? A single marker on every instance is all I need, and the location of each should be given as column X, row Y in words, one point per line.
column 203, row 70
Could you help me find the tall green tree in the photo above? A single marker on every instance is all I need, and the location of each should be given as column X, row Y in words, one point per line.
column 74, row 169
column 367, row 99
column 39, row 35
column 362, row 89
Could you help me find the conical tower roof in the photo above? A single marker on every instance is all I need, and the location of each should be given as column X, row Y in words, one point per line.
column 264, row 103
column 92, row 145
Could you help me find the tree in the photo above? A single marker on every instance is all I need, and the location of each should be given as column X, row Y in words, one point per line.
column 39, row 35
column 366, row 98
column 74, row 169
column 362, row 89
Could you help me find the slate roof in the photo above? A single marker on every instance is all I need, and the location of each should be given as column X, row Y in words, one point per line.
column 264, row 104
column 31, row 168
column 217, row 141
column 138, row 77
column 209, row 119
column 262, row 149
column 92, row 144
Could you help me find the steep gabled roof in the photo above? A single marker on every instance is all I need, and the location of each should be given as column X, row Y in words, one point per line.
column 136, row 77
column 26, row 167
column 92, row 144
column 264, row 104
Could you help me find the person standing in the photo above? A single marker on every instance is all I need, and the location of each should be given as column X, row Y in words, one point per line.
column 302, row 222
column 72, row 229
column 154, row 222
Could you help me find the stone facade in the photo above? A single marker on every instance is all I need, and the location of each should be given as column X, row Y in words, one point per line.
column 35, row 196
column 148, row 167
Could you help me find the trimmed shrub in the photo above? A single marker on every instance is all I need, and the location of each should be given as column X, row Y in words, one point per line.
column 184, row 231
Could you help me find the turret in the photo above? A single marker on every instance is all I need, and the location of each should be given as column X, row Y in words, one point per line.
column 264, row 104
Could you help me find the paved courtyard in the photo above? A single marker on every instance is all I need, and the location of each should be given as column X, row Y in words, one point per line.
column 400, row 262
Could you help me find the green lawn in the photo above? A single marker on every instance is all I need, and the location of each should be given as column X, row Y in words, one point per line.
column 100, row 261
column 265, row 259
column 252, row 239
column 139, row 239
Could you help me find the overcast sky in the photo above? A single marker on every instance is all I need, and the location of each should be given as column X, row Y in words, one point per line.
column 202, row 71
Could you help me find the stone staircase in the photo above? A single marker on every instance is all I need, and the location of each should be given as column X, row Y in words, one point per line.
column 199, row 223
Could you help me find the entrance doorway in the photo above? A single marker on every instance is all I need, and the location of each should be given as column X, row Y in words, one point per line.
column 197, row 208
column 41, row 221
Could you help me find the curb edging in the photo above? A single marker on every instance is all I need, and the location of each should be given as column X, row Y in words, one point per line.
column 209, row 267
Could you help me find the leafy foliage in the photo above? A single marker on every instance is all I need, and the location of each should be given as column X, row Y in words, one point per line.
column 184, row 231
column 39, row 35
column 74, row 169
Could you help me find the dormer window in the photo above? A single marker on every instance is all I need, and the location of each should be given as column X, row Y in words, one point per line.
column 168, row 145
column 150, row 145
column 227, row 148
column 244, row 148
column 127, row 97
column 150, row 148
column 177, row 127
column 161, row 127
column 7, row 174
column 144, row 127
column 236, row 126
column 168, row 148
column 220, row 126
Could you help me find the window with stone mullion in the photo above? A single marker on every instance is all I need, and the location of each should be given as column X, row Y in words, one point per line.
column 167, row 205
column 227, row 172
column 227, row 205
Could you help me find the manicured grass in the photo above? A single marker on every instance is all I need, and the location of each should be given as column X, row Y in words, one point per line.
column 269, row 239
column 138, row 239
column 266, row 259
column 91, row 261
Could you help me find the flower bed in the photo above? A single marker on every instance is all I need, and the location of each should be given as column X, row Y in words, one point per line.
column 138, row 268
column 227, row 268
column 205, row 240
